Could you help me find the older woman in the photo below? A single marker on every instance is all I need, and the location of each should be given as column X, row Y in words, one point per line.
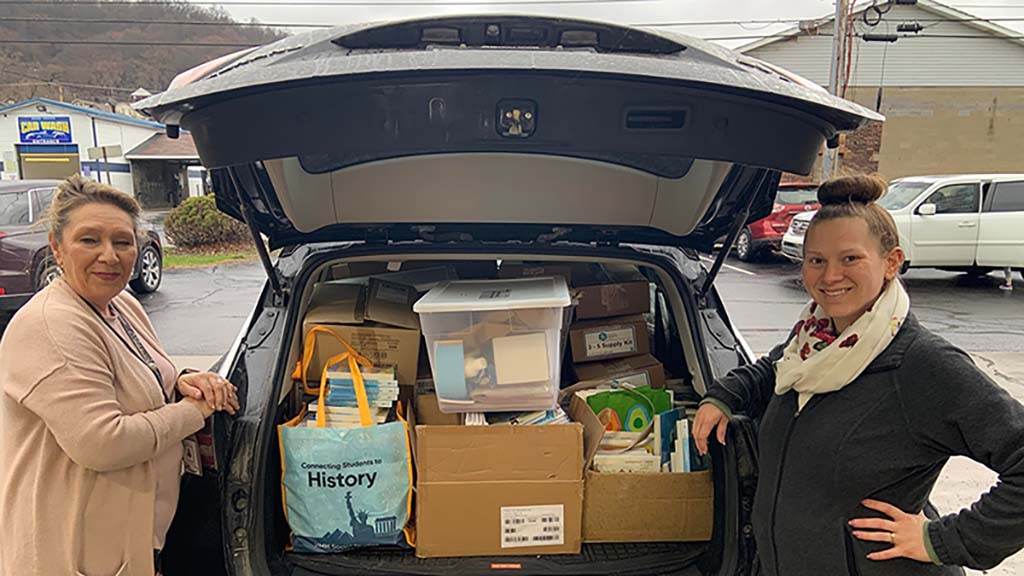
column 90, row 432
column 860, row 410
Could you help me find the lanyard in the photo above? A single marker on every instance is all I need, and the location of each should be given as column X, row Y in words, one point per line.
column 138, row 350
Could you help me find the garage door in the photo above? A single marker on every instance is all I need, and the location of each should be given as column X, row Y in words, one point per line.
column 48, row 162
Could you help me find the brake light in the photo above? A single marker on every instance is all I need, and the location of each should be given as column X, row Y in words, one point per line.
column 2, row 234
column 3, row 291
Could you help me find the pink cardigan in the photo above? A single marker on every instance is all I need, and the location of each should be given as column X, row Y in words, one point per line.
column 81, row 421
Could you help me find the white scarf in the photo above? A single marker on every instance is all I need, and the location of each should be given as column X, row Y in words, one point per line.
column 811, row 365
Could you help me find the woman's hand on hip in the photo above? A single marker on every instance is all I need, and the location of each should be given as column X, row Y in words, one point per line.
column 905, row 532
column 709, row 418
column 215, row 390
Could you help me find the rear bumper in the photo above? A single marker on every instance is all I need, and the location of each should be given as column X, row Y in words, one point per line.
column 766, row 243
column 11, row 302
column 792, row 251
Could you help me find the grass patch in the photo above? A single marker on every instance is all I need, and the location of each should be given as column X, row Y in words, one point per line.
column 182, row 258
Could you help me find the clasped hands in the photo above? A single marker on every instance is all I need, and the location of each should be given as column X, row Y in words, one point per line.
column 208, row 391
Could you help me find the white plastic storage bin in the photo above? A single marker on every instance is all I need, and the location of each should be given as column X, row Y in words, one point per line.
column 495, row 345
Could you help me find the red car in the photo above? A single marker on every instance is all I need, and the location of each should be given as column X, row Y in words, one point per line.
column 26, row 264
column 766, row 234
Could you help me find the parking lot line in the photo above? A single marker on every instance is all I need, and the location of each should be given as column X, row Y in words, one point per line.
column 730, row 267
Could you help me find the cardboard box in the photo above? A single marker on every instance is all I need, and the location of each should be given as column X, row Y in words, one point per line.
column 428, row 413
column 382, row 345
column 641, row 507
column 527, row 270
column 345, row 308
column 648, row 507
column 336, row 304
column 499, row 490
column 596, row 340
column 637, row 370
column 391, row 303
column 346, row 270
column 610, row 290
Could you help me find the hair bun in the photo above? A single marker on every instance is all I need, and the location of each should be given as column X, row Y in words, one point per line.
column 858, row 189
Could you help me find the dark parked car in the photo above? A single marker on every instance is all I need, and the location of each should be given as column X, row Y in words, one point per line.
column 26, row 264
column 465, row 141
column 765, row 235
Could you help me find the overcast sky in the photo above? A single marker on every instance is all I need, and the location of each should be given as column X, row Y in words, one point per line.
column 628, row 12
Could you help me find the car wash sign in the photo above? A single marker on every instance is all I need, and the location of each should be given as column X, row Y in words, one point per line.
column 44, row 129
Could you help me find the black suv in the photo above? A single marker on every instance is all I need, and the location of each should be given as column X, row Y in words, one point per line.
column 463, row 140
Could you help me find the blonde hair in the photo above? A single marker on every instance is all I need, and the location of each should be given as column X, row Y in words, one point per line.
column 77, row 191
column 855, row 197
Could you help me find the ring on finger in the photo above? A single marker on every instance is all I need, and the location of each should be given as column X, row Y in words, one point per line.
column 892, row 538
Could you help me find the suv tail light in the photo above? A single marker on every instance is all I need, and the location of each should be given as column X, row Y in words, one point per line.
column 3, row 291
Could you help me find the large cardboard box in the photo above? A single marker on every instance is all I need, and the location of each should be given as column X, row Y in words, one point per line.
column 384, row 346
column 610, row 290
column 648, row 507
column 599, row 340
column 499, row 490
column 344, row 308
column 636, row 370
column 641, row 507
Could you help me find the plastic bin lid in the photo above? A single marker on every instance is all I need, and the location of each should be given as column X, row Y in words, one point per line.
column 484, row 295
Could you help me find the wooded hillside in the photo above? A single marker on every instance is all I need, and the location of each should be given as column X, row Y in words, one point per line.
column 52, row 67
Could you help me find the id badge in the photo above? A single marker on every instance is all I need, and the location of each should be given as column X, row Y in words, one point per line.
column 193, row 464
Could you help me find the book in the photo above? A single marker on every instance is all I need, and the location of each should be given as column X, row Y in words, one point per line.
column 681, row 451
column 665, row 434
column 632, row 461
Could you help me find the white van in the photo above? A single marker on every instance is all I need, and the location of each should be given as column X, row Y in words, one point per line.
column 970, row 223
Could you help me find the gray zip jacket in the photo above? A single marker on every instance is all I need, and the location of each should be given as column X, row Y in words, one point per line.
column 885, row 436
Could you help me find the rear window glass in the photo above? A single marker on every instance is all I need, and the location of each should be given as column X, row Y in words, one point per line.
column 808, row 195
column 14, row 208
column 902, row 193
column 1009, row 197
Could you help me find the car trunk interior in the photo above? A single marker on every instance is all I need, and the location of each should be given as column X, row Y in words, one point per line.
column 670, row 341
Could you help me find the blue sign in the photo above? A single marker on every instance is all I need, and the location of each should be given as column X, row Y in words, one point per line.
column 44, row 129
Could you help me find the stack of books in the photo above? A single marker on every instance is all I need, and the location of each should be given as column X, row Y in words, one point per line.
column 674, row 442
column 541, row 417
column 342, row 410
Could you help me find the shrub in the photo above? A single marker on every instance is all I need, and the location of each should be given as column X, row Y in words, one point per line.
column 197, row 222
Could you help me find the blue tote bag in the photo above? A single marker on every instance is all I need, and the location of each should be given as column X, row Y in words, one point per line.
column 345, row 488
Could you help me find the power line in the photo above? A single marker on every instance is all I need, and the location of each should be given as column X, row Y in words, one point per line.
column 329, row 3
column 70, row 84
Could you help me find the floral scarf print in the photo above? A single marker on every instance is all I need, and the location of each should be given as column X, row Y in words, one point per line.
column 817, row 360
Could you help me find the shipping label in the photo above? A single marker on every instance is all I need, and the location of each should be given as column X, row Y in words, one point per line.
column 609, row 342
column 523, row 526
column 635, row 380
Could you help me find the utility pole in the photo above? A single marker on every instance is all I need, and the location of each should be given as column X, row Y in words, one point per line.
column 836, row 71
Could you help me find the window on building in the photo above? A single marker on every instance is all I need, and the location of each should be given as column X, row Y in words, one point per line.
column 14, row 208
column 1007, row 197
column 955, row 199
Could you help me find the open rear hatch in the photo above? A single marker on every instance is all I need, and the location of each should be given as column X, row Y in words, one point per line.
column 499, row 127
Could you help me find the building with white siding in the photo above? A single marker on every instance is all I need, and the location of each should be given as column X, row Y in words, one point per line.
column 953, row 94
column 41, row 138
